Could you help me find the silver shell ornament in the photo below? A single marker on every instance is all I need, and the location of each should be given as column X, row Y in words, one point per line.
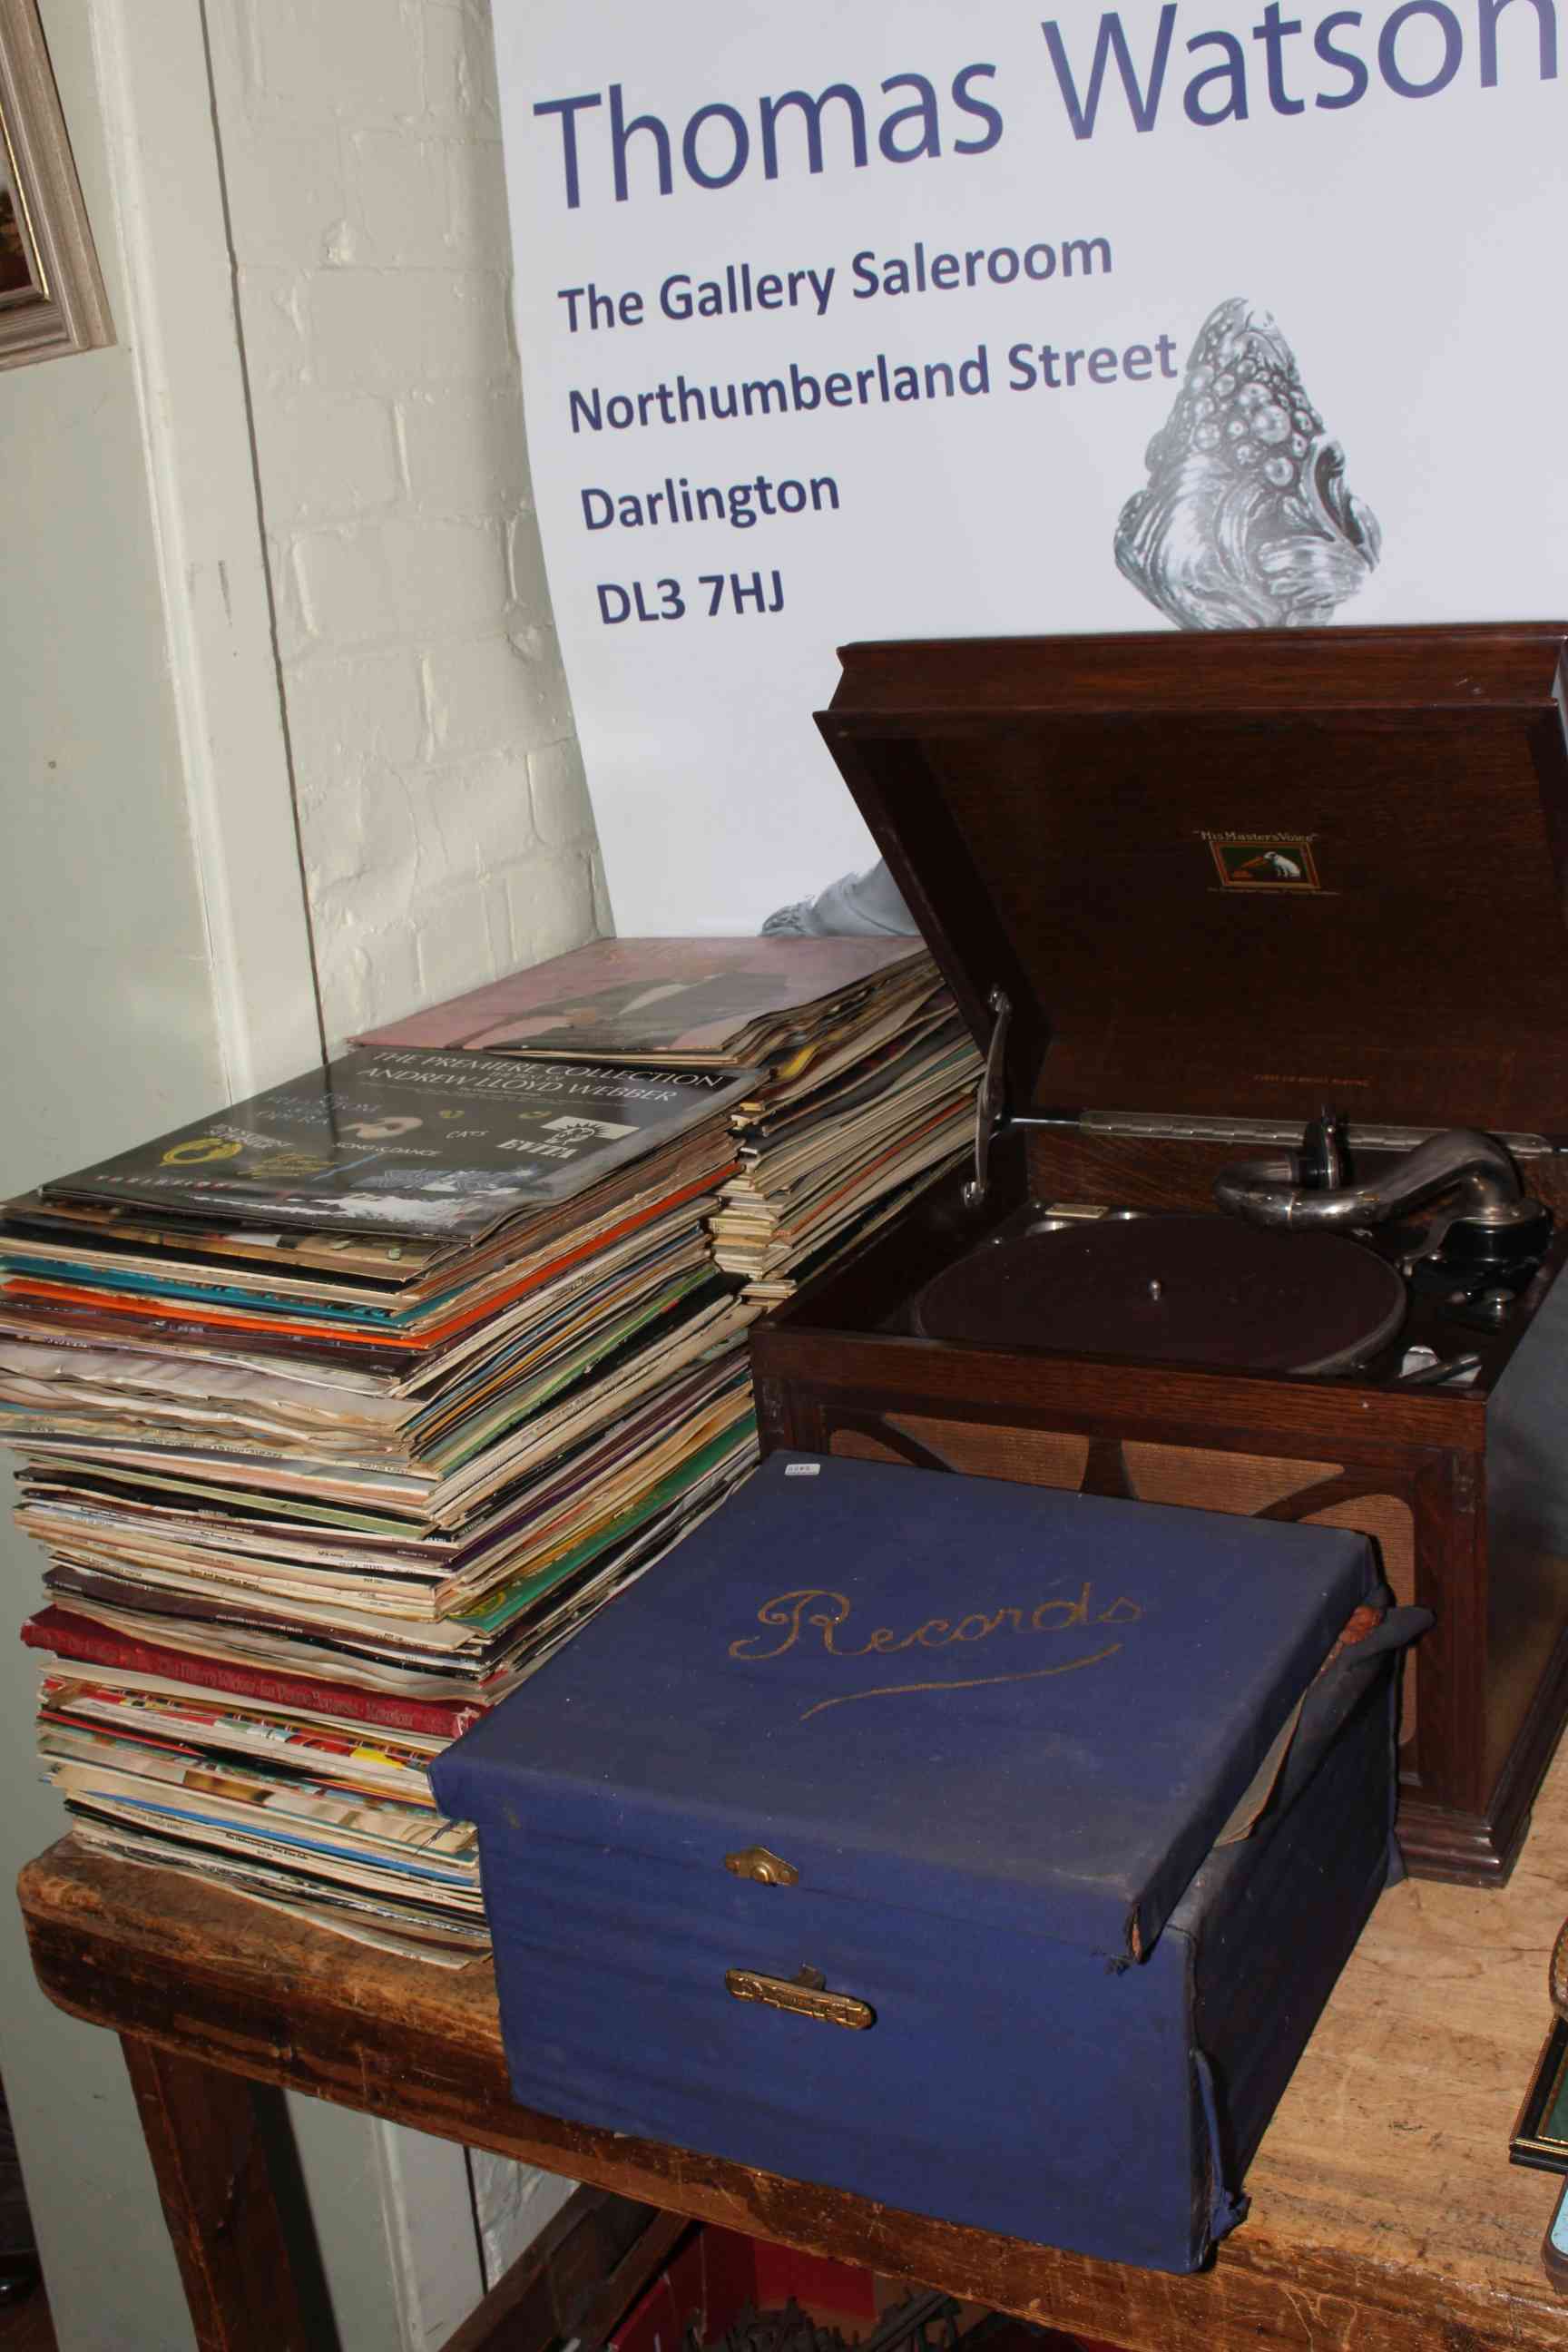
column 1246, row 521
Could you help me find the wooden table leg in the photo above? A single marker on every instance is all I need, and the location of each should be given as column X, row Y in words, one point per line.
column 210, row 2135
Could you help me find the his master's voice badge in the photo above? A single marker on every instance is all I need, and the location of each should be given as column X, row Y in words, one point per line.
column 1264, row 861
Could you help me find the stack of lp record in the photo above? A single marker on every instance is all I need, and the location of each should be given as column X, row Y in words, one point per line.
column 836, row 1143
column 337, row 1413
column 866, row 1074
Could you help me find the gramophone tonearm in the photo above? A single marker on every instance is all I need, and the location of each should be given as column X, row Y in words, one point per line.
column 1492, row 1238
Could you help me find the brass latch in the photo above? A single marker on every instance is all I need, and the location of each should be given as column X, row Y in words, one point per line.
column 804, row 1994
column 767, row 1869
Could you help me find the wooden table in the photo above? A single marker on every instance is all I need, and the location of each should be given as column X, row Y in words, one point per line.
column 1385, row 2216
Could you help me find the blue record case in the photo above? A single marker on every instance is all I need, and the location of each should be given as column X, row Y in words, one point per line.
column 871, row 1839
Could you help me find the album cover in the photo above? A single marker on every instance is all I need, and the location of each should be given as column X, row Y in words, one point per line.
column 662, row 997
column 418, row 1144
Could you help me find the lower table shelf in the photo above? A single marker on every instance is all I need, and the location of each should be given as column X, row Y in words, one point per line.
column 1384, row 2212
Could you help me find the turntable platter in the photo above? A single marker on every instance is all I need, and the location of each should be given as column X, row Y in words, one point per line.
column 1177, row 1289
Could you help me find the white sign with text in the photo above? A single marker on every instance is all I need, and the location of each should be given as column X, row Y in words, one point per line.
column 842, row 323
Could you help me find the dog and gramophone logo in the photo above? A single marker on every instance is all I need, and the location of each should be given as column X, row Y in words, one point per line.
column 1264, row 861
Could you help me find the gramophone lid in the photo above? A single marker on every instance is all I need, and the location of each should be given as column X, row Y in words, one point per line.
column 1238, row 873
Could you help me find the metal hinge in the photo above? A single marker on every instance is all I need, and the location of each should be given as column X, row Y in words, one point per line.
column 1200, row 1127
column 988, row 1101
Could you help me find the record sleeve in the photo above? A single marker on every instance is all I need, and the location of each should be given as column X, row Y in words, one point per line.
column 409, row 1143
column 618, row 997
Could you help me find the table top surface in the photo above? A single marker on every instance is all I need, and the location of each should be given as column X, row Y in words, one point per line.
column 1385, row 2215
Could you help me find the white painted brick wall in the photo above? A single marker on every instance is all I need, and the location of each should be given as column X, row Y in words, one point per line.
column 443, row 819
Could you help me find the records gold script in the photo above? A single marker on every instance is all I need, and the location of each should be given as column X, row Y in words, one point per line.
column 1248, row 520
column 792, row 1613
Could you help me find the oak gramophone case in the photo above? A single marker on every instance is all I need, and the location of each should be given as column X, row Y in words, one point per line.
column 1222, row 898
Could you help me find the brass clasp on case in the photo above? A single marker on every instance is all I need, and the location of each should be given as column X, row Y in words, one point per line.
column 803, row 1995
column 767, row 1869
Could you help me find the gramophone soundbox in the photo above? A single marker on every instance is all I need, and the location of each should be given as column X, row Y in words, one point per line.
column 1263, row 937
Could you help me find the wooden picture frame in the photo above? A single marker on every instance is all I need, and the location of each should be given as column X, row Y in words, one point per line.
column 51, row 295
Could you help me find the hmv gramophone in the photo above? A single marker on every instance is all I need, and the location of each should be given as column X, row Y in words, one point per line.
column 1263, row 935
